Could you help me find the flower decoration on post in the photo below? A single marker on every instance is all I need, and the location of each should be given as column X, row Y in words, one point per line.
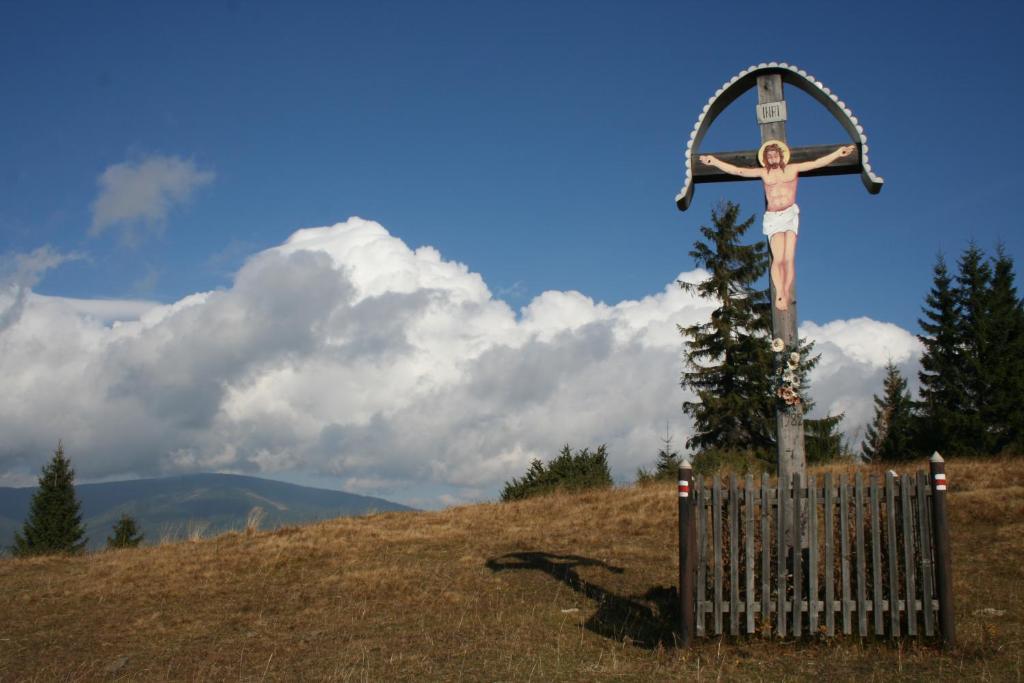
column 787, row 377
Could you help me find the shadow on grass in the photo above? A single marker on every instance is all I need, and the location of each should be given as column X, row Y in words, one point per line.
column 617, row 617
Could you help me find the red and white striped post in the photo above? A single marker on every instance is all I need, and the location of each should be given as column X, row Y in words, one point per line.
column 687, row 555
column 943, row 558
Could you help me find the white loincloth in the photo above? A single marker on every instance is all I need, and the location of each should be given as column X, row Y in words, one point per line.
column 780, row 221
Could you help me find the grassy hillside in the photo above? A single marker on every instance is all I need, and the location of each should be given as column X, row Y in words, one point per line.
column 568, row 587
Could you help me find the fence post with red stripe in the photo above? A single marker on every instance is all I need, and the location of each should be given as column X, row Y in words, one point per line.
column 687, row 554
column 943, row 560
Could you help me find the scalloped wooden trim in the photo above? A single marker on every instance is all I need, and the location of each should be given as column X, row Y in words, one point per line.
column 747, row 79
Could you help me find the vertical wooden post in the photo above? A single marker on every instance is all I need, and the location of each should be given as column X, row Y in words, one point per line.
column 700, row 501
column 812, row 556
column 716, row 534
column 687, row 552
column 943, row 559
column 830, row 554
column 734, row 557
column 766, row 551
column 789, row 425
column 748, row 553
column 894, row 559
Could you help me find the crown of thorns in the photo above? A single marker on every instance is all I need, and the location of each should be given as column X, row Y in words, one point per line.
column 778, row 143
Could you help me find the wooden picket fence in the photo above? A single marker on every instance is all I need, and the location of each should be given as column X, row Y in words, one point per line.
column 874, row 556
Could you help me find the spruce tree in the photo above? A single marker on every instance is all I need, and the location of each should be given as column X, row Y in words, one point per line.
column 126, row 533
column 667, row 466
column 822, row 439
column 54, row 522
column 730, row 363
column 971, row 435
column 728, row 359
column 889, row 436
column 940, row 376
column 1001, row 354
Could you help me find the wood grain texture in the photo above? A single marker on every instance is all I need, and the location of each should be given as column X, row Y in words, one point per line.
column 876, row 560
column 925, row 537
column 830, row 557
column 894, row 567
column 748, row 553
column 716, row 520
column 861, row 546
column 909, row 566
column 703, row 173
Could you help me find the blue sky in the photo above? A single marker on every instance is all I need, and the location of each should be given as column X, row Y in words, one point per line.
column 539, row 144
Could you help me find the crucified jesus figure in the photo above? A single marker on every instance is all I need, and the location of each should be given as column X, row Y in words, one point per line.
column 782, row 215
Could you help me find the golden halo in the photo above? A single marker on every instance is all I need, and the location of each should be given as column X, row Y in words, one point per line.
column 782, row 145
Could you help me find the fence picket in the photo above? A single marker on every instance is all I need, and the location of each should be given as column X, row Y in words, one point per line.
column 798, row 535
column 716, row 522
column 812, row 555
column 780, row 559
column 876, row 561
column 766, row 550
column 702, row 555
column 748, row 537
column 926, row 553
column 830, row 552
column 844, row 548
column 894, row 571
column 862, row 612
column 906, row 491
column 734, row 557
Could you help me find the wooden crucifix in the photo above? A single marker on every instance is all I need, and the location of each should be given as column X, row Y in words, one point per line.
column 779, row 168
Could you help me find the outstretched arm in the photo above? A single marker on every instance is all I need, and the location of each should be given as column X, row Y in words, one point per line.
column 844, row 151
column 729, row 168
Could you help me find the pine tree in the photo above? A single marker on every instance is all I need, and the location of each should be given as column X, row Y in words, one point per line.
column 667, row 466
column 54, row 522
column 728, row 359
column 889, row 436
column 971, row 435
column 973, row 367
column 941, row 373
column 126, row 533
column 822, row 439
column 1001, row 354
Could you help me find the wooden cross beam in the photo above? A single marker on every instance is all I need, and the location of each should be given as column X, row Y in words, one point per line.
column 771, row 116
column 842, row 166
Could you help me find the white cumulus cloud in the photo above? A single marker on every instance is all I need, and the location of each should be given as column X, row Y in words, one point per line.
column 854, row 354
column 392, row 371
column 19, row 273
column 142, row 193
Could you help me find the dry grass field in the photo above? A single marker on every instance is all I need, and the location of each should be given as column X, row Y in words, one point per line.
column 567, row 587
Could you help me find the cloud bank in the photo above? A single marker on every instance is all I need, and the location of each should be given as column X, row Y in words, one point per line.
column 19, row 273
column 343, row 353
column 134, row 194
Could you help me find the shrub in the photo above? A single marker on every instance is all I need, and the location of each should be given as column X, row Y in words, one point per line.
column 568, row 471
column 126, row 533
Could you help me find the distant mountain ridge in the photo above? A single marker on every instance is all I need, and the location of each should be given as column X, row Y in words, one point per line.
column 172, row 507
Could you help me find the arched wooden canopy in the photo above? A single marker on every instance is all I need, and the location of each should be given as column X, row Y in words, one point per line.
column 744, row 81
